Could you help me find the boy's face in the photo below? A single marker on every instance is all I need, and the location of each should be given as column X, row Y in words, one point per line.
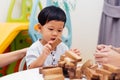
column 51, row 30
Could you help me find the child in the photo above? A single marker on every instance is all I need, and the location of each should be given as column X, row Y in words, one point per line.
column 10, row 57
column 51, row 24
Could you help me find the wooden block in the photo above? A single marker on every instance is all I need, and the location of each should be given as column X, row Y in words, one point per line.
column 117, row 77
column 68, row 60
column 52, row 71
column 91, row 74
column 55, row 43
column 111, row 68
column 61, row 63
column 70, row 65
column 112, row 77
column 94, row 66
column 105, row 77
column 71, row 73
column 103, row 71
column 78, row 74
column 87, row 64
column 54, row 77
column 49, row 67
column 76, row 79
column 46, row 67
column 72, row 55
column 62, row 57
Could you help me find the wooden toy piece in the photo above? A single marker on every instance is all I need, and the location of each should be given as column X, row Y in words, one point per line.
column 68, row 60
column 91, row 74
column 61, row 63
column 115, row 71
column 94, row 66
column 56, row 42
column 70, row 65
column 47, row 67
column 71, row 73
column 75, row 79
column 117, row 77
column 51, row 71
column 111, row 68
column 72, row 55
column 54, row 77
column 62, row 57
column 87, row 64
column 78, row 74
column 105, row 73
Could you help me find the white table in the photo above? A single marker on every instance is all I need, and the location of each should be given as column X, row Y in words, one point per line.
column 31, row 74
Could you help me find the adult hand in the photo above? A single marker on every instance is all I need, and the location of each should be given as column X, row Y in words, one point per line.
column 107, row 55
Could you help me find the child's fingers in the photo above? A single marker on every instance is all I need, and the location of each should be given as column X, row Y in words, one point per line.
column 48, row 46
column 50, row 42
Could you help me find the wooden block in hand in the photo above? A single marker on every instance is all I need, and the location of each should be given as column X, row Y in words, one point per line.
column 55, row 43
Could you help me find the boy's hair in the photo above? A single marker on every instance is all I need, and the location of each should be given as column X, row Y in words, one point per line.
column 51, row 13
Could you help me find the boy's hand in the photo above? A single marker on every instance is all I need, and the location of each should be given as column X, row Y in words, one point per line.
column 47, row 48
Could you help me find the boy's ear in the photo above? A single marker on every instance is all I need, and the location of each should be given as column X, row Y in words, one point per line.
column 37, row 27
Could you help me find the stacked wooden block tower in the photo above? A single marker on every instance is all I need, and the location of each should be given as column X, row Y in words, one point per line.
column 68, row 67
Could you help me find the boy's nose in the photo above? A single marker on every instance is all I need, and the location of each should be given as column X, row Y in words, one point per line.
column 55, row 33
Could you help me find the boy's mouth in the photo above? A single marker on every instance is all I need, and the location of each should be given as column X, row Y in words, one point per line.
column 53, row 39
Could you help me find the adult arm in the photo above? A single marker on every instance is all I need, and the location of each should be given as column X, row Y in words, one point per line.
column 7, row 58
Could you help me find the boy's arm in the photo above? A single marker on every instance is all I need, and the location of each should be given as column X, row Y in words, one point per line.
column 39, row 61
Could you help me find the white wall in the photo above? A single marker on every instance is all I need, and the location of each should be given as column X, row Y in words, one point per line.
column 85, row 21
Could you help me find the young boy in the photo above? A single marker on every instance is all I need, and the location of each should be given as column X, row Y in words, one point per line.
column 51, row 24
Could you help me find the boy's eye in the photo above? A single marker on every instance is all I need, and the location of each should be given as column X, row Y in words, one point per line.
column 50, row 29
column 59, row 30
